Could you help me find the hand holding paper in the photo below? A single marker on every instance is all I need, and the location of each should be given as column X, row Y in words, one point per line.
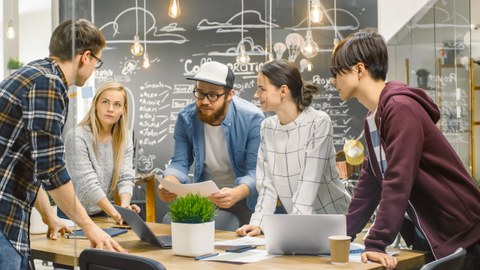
column 202, row 188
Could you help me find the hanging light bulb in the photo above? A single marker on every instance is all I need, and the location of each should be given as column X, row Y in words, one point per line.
column 243, row 58
column 174, row 9
column 309, row 65
column 309, row 48
column 146, row 61
column 10, row 30
column 137, row 48
column 315, row 12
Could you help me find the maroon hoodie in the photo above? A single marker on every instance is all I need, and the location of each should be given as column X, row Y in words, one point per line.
column 424, row 177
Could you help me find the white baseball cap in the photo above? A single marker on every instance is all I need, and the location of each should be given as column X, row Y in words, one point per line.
column 215, row 73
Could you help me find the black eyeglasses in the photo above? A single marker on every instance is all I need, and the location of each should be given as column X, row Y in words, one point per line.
column 99, row 61
column 211, row 97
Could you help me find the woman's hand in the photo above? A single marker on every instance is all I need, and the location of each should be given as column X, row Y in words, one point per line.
column 117, row 217
column 248, row 230
column 134, row 207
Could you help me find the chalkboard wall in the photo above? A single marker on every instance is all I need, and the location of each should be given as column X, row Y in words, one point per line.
column 210, row 30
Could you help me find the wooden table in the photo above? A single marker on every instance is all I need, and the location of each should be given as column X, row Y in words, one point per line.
column 67, row 251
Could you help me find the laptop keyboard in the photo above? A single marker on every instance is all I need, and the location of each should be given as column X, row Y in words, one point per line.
column 166, row 240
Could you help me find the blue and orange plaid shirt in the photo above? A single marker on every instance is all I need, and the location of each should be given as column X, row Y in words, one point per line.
column 33, row 111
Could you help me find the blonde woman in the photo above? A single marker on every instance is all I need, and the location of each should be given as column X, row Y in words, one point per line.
column 99, row 154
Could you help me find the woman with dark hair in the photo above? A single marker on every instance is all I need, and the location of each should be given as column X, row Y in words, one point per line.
column 296, row 158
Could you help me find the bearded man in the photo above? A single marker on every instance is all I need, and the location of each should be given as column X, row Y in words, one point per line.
column 219, row 133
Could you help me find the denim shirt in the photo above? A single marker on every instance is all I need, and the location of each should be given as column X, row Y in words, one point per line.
column 241, row 127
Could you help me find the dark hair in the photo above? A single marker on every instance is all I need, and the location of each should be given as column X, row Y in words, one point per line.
column 365, row 46
column 86, row 37
column 282, row 72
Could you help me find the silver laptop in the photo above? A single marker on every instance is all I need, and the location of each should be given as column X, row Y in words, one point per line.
column 141, row 229
column 302, row 234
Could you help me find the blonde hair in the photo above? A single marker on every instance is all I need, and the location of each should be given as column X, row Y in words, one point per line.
column 119, row 130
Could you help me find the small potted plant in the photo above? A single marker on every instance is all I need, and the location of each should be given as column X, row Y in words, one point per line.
column 422, row 77
column 193, row 227
column 13, row 64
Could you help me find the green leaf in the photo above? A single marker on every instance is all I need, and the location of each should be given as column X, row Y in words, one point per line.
column 192, row 208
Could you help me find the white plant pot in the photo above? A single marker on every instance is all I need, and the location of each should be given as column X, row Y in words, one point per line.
column 36, row 224
column 193, row 239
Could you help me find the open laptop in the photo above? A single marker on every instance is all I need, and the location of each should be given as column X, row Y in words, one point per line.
column 141, row 229
column 302, row 234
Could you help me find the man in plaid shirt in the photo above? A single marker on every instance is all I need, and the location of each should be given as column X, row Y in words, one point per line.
column 33, row 111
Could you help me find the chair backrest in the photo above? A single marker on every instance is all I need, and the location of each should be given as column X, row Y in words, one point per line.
column 224, row 220
column 453, row 261
column 97, row 259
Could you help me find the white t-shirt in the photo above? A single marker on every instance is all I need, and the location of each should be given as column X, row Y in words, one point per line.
column 218, row 166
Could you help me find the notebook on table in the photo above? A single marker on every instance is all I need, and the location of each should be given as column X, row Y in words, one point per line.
column 302, row 234
column 141, row 229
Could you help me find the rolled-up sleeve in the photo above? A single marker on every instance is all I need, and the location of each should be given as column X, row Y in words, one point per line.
column 182, row 157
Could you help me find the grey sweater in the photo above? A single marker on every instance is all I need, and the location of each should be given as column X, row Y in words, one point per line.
column 92, row 176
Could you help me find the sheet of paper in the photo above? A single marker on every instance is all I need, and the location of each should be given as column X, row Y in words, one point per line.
column 243, row 257
column 241, row 241
column 357, row 257
column 205, row 188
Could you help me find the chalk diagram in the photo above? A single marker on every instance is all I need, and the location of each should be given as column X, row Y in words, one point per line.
column 255, row 21
column 155, row 35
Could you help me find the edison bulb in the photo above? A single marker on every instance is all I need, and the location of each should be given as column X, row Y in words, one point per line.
column 146, row 61
column 174, row 9
column 10, row 30
column 137, row 48
column 243, row 57
column 315, row 12
column 310, row 47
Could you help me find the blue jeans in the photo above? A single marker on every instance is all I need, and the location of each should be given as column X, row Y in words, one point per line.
column 9, row 256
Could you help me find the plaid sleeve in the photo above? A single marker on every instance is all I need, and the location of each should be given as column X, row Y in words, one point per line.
column 44, row 113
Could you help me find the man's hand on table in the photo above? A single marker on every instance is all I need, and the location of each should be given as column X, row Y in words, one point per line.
column 101, row 240
column 55, row 226
column 389, row 262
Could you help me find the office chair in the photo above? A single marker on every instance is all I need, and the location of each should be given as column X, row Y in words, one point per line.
column 224, row 220
column 453, row 261
column 97, row 259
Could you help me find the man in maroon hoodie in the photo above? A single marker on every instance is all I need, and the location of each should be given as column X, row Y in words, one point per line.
column 411, row 173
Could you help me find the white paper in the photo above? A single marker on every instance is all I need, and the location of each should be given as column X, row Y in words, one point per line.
column 205, row 188
column 242, row 241
column 357, row 257
column 243, row 257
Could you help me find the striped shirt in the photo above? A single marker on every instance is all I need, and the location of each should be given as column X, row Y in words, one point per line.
column 296, row 164
column 33, row 110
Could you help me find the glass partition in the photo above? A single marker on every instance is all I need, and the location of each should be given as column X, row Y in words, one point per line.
column 432, row 52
